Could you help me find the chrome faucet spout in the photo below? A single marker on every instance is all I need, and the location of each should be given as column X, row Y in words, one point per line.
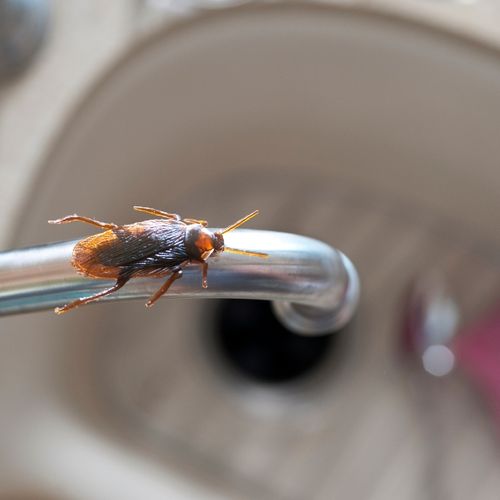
column 314, row 288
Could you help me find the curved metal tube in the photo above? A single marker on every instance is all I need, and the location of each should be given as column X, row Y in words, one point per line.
column 314, row 287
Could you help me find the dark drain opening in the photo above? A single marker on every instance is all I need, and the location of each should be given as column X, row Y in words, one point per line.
column 254, row 343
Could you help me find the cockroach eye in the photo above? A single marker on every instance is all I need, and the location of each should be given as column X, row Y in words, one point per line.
column 218, row 242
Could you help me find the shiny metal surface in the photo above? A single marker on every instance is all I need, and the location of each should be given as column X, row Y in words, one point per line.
column 432, row 320
column 315, row 287
column 23, row 29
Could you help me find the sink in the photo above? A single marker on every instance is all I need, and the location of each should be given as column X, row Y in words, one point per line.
column 370, row 132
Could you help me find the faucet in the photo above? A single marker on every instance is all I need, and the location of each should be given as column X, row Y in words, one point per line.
column 313, row 287
column 23, row 29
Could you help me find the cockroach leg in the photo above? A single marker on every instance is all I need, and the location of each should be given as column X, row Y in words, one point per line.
column 157, row 213
column 85, row 300
column 87, row 220
column 177, row 274
column 204, row 273
column 204, row 223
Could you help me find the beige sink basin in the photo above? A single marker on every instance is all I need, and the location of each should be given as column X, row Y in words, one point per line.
column 372, row 133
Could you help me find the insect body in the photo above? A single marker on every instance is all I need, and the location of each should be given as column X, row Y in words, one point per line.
column 157, row 247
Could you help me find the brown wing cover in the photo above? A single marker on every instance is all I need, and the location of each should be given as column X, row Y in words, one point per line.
column 149, row 247
column 86, row 255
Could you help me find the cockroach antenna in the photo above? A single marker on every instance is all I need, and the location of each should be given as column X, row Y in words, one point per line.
column 236, row 225
column 239, row 222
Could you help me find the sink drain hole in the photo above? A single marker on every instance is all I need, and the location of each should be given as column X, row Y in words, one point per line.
column 255, row 344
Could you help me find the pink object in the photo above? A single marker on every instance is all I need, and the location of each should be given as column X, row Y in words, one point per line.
column 477, row 350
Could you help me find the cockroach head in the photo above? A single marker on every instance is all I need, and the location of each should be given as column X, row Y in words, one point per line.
column 218, row 241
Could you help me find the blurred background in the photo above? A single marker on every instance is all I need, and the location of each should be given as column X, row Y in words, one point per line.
column 371, row 125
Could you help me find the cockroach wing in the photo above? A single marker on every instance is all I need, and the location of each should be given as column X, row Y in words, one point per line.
column 147, row 244
column 136, row 242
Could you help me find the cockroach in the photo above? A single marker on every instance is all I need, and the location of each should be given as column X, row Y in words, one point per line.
column 158, row 247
